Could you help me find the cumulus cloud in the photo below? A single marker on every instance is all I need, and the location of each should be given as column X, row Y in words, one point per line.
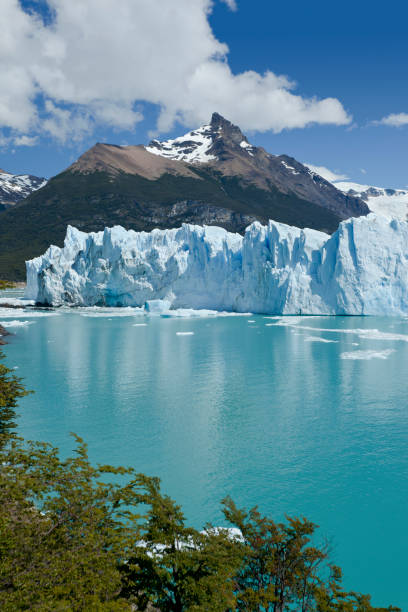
column 98, row 61
column 327, row 174
column 17, row 140
column 63, row 124
column 393, row 120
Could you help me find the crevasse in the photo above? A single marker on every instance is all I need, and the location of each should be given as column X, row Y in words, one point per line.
column 361, row 269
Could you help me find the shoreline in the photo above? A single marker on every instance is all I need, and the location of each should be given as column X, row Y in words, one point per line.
column 3, row 332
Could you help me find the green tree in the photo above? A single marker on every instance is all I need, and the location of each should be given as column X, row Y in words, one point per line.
column 65, row 530
column 177, row 568
column 11, row 390
column 282, row 570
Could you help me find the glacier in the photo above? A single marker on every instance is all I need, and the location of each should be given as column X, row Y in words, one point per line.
column 361, row 269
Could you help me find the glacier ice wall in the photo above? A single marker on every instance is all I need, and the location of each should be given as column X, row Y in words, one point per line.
column 361, row 269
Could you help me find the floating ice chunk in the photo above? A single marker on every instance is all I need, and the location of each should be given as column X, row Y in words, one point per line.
column 318, row 339
column 201, row 313
column 189, row 312
column 367, row 334
column 16, row 301
column 10, row 313
column 96, row 312
column 157, row 306
column 375, row 334
column 139, row 324
column 7, row 324
column 189, row 333
column 368, row 354
column 289, row 321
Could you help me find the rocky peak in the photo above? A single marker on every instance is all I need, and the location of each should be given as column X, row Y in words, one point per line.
column 222, row 128
column 205, row 144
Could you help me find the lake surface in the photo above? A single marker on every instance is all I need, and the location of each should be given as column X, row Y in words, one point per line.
column 300, row 415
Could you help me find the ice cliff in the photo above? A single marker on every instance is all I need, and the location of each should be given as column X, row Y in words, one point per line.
column 361, row 269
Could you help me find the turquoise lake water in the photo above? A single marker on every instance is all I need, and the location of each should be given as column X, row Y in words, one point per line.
column 264, row 411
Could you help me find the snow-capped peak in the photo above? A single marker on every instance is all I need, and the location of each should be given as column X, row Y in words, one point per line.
column 200, row 146
column 192, row 148
column 16, row 187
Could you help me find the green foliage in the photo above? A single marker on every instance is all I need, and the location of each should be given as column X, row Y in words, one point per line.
column 64, row 531
column 178, row 568
column 11, row 389
column 4, row 284
column 280, row 567
column 283, row 571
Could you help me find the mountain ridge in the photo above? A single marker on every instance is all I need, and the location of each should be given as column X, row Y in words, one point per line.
column 391, row 203
column 16, row 187
column 210, row 176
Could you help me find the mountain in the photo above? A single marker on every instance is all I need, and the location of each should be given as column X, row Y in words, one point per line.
column 222, row 146
column 361, row 269
column 16, row 187
column 212, row 176
column 392, row 203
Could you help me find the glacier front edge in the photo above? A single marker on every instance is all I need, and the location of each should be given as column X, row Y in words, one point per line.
column 361, row 269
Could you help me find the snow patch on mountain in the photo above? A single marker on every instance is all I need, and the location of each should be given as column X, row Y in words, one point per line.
column 244, row 144
column 16, row 187
column 361, row 269
column 290, row 168
column 192, row 148
column 392, row 203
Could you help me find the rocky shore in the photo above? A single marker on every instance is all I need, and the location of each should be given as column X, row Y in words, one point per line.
column 3, row 333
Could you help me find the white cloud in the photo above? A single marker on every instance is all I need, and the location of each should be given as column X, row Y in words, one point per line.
column 327, row 174
column 25, row 141
column 100, row 59
column 363, row 171
column 393, row 120
column 232, row 5
column 63, row 124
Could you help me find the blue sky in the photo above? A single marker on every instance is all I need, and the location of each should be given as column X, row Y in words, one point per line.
column 170, row 71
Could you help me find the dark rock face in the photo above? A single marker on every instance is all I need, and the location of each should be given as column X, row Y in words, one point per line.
column 229, row 131
column 212, row 176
